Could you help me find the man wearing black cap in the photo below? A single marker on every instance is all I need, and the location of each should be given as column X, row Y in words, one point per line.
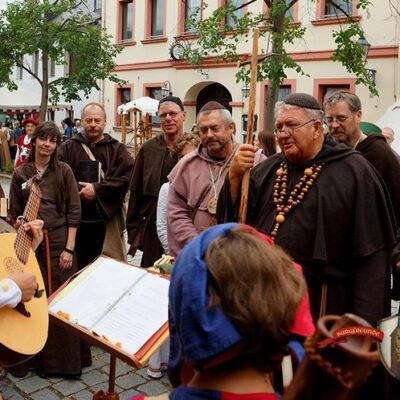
column 152, row 166
column 323, row 203
column 196, row 181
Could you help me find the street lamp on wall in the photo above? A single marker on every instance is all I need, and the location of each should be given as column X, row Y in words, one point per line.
column 166, row 89
column 365, row 45
column 245, row 90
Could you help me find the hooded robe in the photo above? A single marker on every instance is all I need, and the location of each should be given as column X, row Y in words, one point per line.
column 342, row 233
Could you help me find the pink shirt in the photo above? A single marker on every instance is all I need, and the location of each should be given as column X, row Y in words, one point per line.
column 188, row 180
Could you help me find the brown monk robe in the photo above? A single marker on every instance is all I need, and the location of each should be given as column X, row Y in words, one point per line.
column 4, row 148
column 64, row 353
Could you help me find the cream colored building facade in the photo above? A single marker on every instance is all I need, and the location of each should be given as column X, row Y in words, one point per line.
column 148, row 28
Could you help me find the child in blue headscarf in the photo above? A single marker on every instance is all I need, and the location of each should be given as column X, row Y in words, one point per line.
column 235, row 299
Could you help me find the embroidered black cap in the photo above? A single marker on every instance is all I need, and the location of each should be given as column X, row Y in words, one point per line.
column 303, row 100
column 172, row 99
column 211, row 106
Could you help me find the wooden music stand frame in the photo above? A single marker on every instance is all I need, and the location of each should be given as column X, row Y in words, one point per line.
column 114, row 352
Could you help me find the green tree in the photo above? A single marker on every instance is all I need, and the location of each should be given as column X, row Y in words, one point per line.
column 59, row 30
column 222, row 42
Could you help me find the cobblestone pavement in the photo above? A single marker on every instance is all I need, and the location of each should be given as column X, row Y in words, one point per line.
column 129, row 381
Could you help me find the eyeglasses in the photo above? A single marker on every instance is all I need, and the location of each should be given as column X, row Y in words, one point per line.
column 172, row 114
column 339, row 119
column 289, row 129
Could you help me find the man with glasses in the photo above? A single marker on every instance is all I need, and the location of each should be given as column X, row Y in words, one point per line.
column 152, row 166
column 324, row 204
column 343, row 116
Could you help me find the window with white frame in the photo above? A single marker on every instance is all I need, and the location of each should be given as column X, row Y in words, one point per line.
column 230, row 20
column 125, row 96
column 157, row 18
column 343, row 7
column 192, row 12
column 97, row 5
column 127, row 20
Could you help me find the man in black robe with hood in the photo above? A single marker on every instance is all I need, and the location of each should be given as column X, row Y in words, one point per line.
column 152, row 166
column 324, row 204
column 102, row 197
column 343, row 116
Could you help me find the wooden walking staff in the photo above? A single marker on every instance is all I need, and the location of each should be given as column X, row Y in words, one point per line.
column 135, row 132
column 250, row 123
column 123, row 128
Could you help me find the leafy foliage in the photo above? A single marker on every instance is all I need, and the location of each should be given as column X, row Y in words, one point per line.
column 56, row 29
column 350, row 53
column 217, row 39
column 9, row 168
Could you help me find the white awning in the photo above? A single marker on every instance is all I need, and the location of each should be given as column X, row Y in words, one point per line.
column 25, row 101
column 146, row 105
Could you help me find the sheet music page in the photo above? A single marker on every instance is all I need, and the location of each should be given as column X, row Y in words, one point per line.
column 93, row 293
column 138, row 315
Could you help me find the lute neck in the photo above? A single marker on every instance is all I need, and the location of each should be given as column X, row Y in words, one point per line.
column 23, row 241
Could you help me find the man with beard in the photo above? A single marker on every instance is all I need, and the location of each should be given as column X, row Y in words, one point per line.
column 196, row 181
column 343, row 116
column 152, row 166
column 324, row 204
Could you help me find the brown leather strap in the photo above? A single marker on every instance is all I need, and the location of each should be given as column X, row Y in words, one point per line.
column 48, row 261
column 92, row 157
column 194, row 210
column 322, row 307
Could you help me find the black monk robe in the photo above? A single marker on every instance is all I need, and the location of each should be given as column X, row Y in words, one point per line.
column 152, row 166
column 110, row 192
column 342, row 233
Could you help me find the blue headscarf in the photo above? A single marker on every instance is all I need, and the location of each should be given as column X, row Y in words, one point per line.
column 198, row 332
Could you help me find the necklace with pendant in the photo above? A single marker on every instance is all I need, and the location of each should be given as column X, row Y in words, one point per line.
column 212, row 203
column 296, row 196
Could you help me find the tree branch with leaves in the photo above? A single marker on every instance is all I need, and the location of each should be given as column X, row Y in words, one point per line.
column 218, row 40
column 57, row 29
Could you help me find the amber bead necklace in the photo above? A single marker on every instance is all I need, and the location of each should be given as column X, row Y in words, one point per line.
column 297, row 194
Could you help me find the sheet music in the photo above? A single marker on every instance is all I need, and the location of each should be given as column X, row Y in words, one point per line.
column 138, row 315
column 92, row 294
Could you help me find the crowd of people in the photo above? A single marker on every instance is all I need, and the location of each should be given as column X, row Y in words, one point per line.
column 327, row 201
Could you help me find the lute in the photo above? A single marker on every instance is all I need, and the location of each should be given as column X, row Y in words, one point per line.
column 23, row 329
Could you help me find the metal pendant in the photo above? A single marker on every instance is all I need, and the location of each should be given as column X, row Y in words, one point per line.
column 212, row 206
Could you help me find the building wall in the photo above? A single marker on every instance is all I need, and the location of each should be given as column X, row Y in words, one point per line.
column 145, row 61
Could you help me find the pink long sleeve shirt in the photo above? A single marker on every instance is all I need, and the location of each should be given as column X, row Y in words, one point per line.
column 188, row 180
